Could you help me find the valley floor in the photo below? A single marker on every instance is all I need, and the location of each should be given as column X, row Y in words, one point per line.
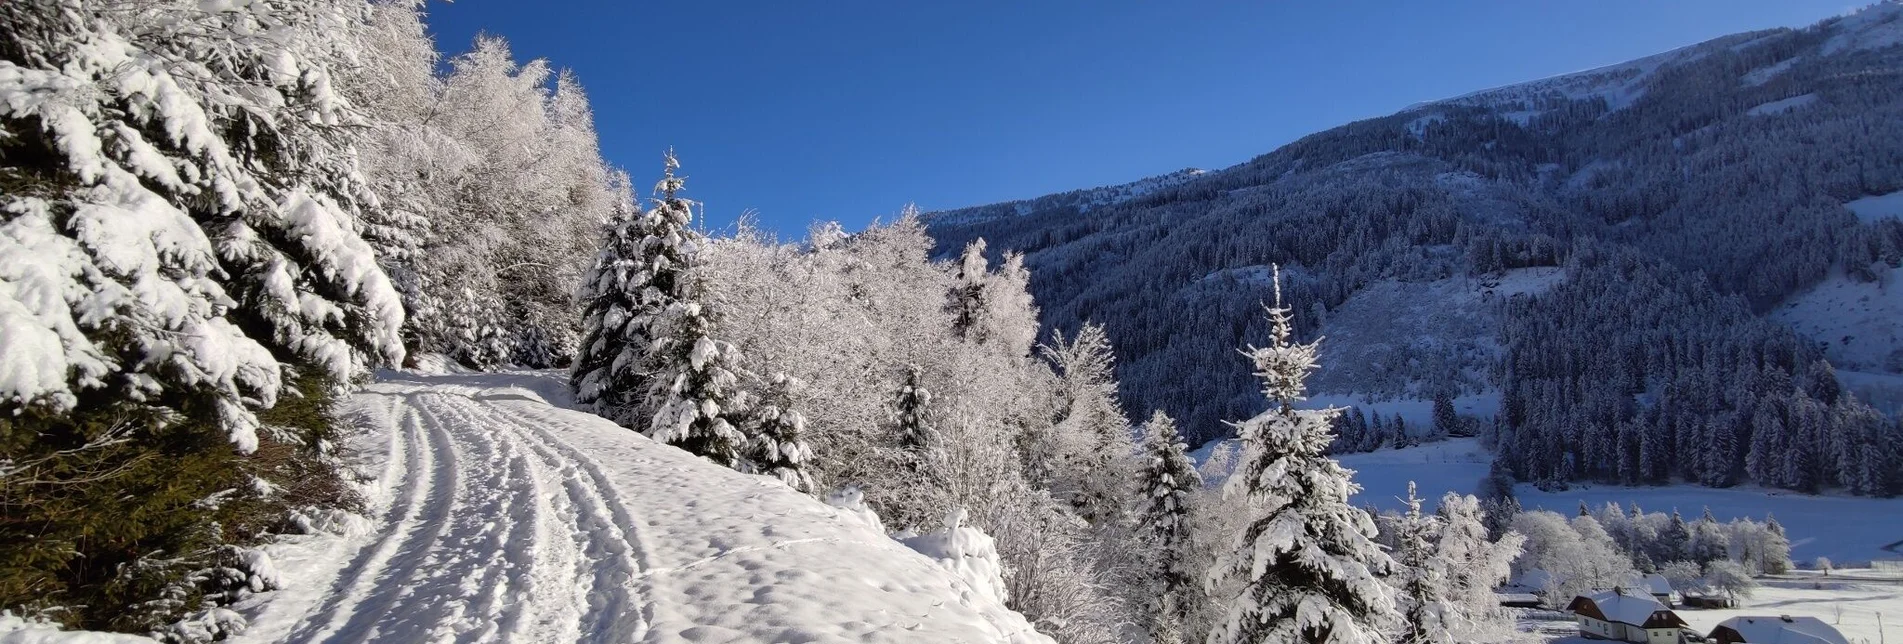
column 499, row 517
column 1843, row 528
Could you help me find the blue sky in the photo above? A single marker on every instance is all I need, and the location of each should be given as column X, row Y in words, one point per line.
column 848, row 109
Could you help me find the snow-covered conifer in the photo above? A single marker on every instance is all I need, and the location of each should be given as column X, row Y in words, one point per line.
column 776, row 442
column 1305, row 566
column 966, row 302
column 1168, row 482
column 1419, row 578
column 617, row 315
column 151, row 248
column 692, row 379
column 1674, row 542
column 911, row 418
column 1446, row 421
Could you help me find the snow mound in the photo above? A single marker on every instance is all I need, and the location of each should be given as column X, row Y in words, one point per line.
column 501, row 517
column 14, row 630
column 967, row 552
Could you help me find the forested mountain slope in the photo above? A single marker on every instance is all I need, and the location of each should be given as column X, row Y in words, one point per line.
column 1671, row 202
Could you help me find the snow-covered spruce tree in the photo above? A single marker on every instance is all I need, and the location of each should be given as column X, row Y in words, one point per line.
column 180, row 244
column 1447, row 422
column 692, row 380
column 1167, row 481
column 911, row 420
column 1419, row 578
column 618, row 312
column 1308, row 568
column 992, row 307
column 776, row 442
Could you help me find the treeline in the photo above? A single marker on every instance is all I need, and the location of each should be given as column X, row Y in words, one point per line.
column 918, row 386
column 1633, row 373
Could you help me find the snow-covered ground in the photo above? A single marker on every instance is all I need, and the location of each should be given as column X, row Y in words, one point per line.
column 1844, row 528
column 1866, row 611
column 1852, row 607
column 1855, row 320
column 1764, row 74
column 1454, row 465
column 1876, row 207
column 502, row 517
column 1781, row 106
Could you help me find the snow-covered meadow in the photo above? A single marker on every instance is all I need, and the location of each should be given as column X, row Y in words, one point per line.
column 1843, row 528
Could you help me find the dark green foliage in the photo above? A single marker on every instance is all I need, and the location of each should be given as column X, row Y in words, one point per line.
column 128, row 517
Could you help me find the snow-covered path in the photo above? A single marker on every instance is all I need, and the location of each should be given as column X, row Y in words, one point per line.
column 503, row 518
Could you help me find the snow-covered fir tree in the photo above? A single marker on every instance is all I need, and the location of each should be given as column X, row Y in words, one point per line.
column 1168, row 483
column 966, row 302
column 691, row 373
column 182, row 252
column 1419, row 577
column 776, row 441
column 1305, row 562
column 912, row 416
column 617, row 315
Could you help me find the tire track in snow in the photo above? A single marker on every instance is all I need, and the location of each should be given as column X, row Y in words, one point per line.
column 361, row 593
column 503, row 519
column 611, row 535
column 460, row 547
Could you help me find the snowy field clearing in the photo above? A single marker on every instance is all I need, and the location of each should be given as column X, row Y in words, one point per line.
column 1855, row 320
column 1454, row 465
column 1847, row 529
column 1883, row 391
column 1888, row 206
column 1781, row 106
column 501, row 517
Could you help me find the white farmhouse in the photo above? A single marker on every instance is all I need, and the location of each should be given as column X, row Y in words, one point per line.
column 1661, row 589
column 1626, row 616
column 1776, row 630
